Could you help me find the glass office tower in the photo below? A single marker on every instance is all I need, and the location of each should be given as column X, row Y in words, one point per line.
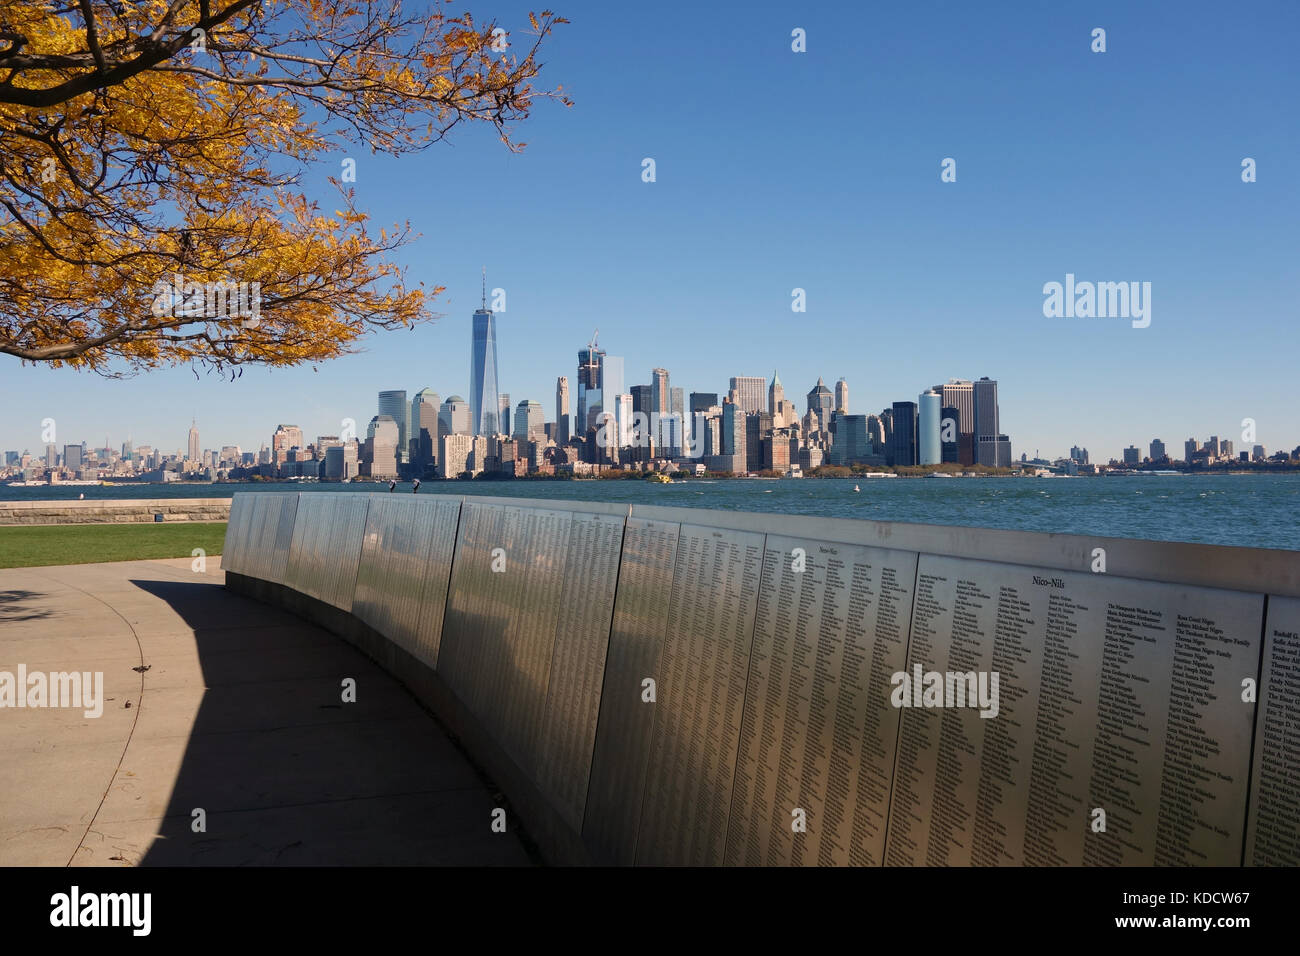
column 484, row 400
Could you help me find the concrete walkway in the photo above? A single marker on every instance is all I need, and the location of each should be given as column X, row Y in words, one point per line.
column 239, row 714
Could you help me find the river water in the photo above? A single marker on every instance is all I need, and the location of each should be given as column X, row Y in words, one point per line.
column 1261, row 511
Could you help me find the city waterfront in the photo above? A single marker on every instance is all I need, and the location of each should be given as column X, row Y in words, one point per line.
column 1261, row 511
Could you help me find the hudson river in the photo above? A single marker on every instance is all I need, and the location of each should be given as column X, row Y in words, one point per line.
column 1260, row 511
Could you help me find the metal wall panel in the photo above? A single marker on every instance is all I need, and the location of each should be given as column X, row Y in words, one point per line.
column 577, row 670
column 1113, row 694
column 500, row 632
column 326, row 546
column 701, row 690
column 404, row 570
column 286, row 513
column 257, row 553
column 232, row 550
column 1273, row 829
column 818, row 734
column 622, row 746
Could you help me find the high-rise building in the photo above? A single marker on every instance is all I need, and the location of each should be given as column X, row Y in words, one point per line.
column 590, row 384
column 74, row 457
column 703, row 401
column 995, row 451
column 928, row 448
column 1157, row 449
column 986, row 421
column 382, row 438
column 503, row 413
column 284, row 438
column 876, row 433
column 776, row 450
column 660, row 401
column 194, row 451
column 852, row 444
column 949, row 430
column 484, row 407
column 393, row 405
column 562, row 410
column 821, row 403
column 530, row 423
column 748, row 392
column 1190, row 448
column 960, row 394
column 775, row 393
column 623, row 421
column 1132, row 455
column 642, row 399
column 456, row 454
column 842, row 397
column 902, row 439
column 1079, row 455
column 734, row 431
column 424, row 430
column 453, row 418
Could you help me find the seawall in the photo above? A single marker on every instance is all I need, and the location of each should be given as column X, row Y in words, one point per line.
column 113, row 511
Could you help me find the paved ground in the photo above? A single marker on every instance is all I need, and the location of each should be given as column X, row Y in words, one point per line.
column 239, row 714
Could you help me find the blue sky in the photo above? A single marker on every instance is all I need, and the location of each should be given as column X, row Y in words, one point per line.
column 821, row 170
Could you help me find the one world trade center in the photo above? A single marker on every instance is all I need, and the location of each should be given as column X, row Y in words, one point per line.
column 484, row 404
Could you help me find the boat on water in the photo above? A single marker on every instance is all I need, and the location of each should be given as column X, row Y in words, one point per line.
column 661, row 479
column 856, row 488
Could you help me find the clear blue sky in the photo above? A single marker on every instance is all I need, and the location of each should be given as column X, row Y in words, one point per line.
column 821, row 170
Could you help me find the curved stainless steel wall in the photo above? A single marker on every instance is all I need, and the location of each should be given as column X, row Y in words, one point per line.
column 683, row 686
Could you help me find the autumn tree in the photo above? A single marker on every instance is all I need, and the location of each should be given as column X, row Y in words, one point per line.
column 151, row 158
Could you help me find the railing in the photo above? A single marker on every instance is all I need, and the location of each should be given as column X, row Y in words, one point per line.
column 678, row 686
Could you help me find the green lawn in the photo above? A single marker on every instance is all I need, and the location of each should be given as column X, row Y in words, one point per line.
column 34, row 546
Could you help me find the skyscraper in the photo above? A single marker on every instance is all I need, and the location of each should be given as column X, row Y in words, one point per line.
column 703, row 401
column 928, row 449
column 852, row 443
column 960, row 394
column 503, row 413
column 381, row 445
column 453, row 418
column 194, row 441
column 902, row 440
column 393, row 404
column 949, row 430
column 529, row 422
column 642, row 399
column 986, row 421
column 821, row 402
column 775, row 393
column 590, row 383
column 561, row 410
column 747, row 392
column 659, row 399
column 842, row 397
column 484, row 407
column 284, row 438
column 424, row 430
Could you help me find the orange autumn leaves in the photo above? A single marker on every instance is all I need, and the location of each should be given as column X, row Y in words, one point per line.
column 156, row 144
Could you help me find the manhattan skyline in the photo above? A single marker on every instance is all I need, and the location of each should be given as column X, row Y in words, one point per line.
column 908, row 280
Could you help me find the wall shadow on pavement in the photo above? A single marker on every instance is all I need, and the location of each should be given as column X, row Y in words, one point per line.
column 289, row 774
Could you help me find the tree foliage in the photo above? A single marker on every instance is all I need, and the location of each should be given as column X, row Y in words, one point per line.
column 151, row 157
